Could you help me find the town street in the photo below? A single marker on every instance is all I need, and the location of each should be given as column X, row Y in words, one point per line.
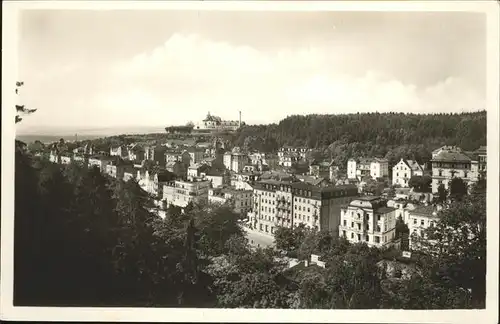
column 258, row 239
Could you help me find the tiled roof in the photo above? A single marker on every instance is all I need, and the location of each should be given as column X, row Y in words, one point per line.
column 424, row 210
column 413, row 165
column 451, row 155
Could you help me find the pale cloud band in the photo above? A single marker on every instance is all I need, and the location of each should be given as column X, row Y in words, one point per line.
column 190, row 74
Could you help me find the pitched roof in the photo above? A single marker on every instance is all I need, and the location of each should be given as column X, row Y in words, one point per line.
column 451, row 154
column 429, row 210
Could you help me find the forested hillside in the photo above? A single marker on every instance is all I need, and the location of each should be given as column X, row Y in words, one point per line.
column 390, row 135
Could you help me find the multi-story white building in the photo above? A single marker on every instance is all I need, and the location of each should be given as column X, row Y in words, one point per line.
column 215, row 123
column 404, row 170
column 402, row 208
column 319, row 169
column 54, row 156
column 481, row 153
column 181, row 193
column 196, row 154
column 288, row 159
column 197, row 171
column 178, row 156
column 449, row 162
column 216, row 178
column 135, row 152
column 368, row 220
column 235, row 161
column 240, row 200
column 288, row 204
column 99, row 161
column 373, row 167
column 119, row 150
column 420, row 219
column 66, row 158
column 299, row 152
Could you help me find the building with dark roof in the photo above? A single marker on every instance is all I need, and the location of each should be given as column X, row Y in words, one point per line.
column 449, row 162
column 288, row 204
column 368, row 220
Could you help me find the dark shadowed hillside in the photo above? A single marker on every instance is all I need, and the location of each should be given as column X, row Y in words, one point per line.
column 391, row 135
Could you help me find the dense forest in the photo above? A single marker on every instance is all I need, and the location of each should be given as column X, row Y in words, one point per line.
column 85, row 239
column 390, row 135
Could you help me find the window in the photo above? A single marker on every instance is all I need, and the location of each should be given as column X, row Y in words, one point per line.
column 422, row 222
column 414, row 221
column 359, row 237
column 345, row 222
column 378, row 217
column 266, row 228
column 343, row 234
column 260, row 227
column 440, row 173
column 367, row 238
column 352, row 224
column 377, row 239
column 352, row 235
column 378, row 228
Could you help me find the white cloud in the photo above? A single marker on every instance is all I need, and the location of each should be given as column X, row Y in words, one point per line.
column 216, row 76
column 188, row 75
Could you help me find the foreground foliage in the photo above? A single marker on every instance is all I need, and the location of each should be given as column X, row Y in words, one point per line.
column 84, row 239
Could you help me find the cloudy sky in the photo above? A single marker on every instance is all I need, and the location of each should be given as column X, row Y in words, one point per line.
column 94, row 69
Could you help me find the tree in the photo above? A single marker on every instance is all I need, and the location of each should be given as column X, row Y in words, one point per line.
column 216, row 225
column 458, row 245
column 289, row 239
column 423, row 293
column 21, row 109
column 458, row 188
column 251, row 280
column 373, row 187
column 353, row 282
column 442, row 194
column 402, row 233
column 420, row 183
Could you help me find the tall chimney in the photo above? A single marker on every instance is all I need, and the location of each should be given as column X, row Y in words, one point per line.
column 240, row 119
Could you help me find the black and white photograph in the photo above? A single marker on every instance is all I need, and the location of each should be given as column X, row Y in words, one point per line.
column 243, row 161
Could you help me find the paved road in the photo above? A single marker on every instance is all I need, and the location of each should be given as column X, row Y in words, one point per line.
column 258, row 239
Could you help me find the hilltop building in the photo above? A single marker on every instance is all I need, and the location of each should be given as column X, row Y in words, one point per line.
column 213, row 123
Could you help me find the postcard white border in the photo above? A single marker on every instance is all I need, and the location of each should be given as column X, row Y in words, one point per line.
column 9, row 60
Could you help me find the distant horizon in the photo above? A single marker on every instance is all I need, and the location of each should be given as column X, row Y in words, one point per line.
column 135, row 130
